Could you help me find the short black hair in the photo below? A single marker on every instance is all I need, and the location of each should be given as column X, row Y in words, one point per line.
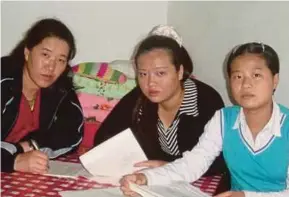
column 179, row 54
column 263, row 50
column 44, row 28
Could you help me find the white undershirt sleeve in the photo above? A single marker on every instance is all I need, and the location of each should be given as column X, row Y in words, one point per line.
column 194, row 163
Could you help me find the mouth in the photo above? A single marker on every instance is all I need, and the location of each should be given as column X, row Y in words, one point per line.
column 153, row 92
column 47, row 77
column 247, row 96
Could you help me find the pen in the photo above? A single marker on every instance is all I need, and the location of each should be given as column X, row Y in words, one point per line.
column 35, row 146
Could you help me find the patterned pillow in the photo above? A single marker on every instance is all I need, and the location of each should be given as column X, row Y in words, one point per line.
column 100, row 72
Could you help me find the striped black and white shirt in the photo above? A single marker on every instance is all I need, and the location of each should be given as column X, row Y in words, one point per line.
column 168, row 138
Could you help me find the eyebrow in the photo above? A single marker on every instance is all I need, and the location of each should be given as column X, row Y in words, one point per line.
column 156, row 68
column 46, row 49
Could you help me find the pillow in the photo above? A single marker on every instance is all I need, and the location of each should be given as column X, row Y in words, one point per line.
column 124, row 66
column 100, row 72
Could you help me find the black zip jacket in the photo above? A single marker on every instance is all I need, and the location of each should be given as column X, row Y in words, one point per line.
column 60, row 123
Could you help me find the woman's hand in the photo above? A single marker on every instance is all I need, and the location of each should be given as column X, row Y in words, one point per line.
column 137, row 178
column 32, row 161
column 150, row 163
column 231, row 194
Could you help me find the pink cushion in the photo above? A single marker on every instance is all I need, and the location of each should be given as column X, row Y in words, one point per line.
column 90, row 130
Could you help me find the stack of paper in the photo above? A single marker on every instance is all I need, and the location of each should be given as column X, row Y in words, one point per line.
column 105, row 163
column 176, row 189
column 112, row 159
column 67, row 169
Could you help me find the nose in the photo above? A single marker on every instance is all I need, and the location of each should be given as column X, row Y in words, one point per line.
column 247, row 82
column 151, row 80
column 50, row 66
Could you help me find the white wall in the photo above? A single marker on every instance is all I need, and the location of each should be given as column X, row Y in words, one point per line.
column 104, row 31
column 211, row 29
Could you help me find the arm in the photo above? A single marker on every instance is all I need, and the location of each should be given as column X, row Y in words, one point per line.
column 66, row 131
column 119, row 119
column 8, row 154
column 193, row 164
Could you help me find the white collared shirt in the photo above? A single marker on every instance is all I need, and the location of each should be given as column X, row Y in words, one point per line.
column 196, row 162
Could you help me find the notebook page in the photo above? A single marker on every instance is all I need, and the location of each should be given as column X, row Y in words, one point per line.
column 114, row 157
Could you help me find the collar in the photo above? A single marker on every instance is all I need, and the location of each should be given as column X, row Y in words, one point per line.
column 274, row 124
column 189, row 104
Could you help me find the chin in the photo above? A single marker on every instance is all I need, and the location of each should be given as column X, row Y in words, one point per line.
column 250, row 105
column 155, row 99
column 44, row 84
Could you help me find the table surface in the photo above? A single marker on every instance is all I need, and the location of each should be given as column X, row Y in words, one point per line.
column 35, row 185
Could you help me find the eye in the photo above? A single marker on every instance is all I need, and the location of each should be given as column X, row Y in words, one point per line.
column 142, row 74
column 45, row 54
column 237, row 77
column 257, row 75
column 161, row 73
column 62, row 61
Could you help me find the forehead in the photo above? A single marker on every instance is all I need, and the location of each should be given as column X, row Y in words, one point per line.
column 55, row 45
column 248, row 62
column 155, row 58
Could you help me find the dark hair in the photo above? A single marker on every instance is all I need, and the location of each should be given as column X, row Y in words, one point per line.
column 178, row 53
column 40, row 30
column 263, row 50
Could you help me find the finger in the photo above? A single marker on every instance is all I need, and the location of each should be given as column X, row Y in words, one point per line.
column 141, row 164
column 41, row 167
column 131, row 193
column 41, row 155
column 127, row 191
column 41, row 162
column 37, row 170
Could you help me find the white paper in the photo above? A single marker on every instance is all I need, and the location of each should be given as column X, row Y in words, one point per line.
column 67, row 169
column 115, row 157
column 109, row 192
column 176, row 189
column 179, row 188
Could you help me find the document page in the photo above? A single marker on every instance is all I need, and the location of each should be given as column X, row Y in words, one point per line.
column 115, row 157
column 179, row 188
column 67, row 169
column 176, row 189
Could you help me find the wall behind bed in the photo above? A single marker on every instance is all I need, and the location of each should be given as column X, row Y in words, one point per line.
column 211, row 29
column 104, row 31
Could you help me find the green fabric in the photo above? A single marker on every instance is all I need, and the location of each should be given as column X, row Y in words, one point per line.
column 101, row 88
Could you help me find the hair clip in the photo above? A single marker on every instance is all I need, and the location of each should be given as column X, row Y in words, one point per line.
column 263, row 46
column 168, row 31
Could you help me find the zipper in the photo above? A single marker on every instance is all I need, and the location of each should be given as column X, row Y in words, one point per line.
column 8, row 131
column 57, row 109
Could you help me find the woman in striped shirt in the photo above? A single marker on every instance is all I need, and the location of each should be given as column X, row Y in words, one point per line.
column 168, row 109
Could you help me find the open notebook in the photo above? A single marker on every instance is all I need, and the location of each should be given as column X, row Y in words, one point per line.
column 175, row 189
column 105, row 163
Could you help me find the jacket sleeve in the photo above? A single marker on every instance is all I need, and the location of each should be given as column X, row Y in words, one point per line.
column 8, row 154
column 65, row 132
column 119, row 119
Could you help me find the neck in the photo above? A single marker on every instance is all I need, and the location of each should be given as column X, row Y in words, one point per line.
column 174, row 102
column 258, row 118
column 29, row 88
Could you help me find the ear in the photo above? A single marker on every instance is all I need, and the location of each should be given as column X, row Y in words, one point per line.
column 26, row 53
column 181, row 72
column 275, row 81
